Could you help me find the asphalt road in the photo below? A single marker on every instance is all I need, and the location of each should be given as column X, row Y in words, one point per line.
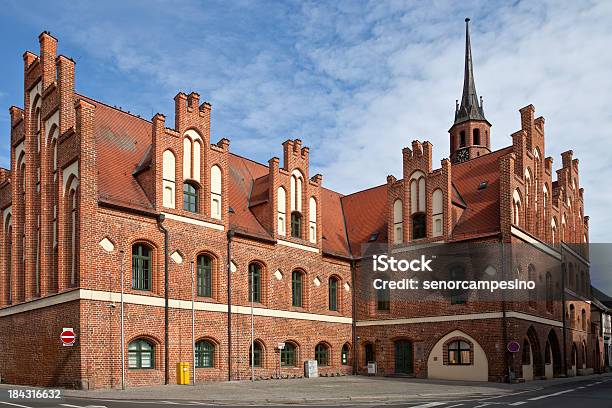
column 591, row 393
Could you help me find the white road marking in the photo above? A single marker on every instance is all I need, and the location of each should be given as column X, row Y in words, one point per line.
column 453, row 406
column 551, row 395
column 518, row 403
column 15, row 405
column 429, row 405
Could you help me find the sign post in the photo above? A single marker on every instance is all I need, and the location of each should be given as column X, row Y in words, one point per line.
column 67, row 337
column 281, row 347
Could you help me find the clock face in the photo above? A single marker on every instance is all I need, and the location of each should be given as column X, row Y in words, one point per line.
column 461, row 156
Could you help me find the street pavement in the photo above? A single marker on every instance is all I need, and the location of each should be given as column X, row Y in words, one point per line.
column 586, row 392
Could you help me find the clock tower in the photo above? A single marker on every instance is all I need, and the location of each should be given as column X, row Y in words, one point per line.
column 470, row 134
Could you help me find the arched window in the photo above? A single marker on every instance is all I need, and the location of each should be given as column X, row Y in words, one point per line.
column 462, row 138
column 322, row 354
column 141, row 354
column 553, row 226
column 476, row 133
column 296, row 224
column 547, row 353
column 255, row 282
column 168, row 178
column 344, row 356
column 398, row 222
column 205, row 265
column 141, row 267
column 516, row 208
column 437, row 216
column 296, row 288
column 417, row 192
column 288, row 355
column 527, row 193
column 215, row 192
column 296, row 191
column 572, row 315
column 255, row 354
column 383, row 299
column 370, row 354
column 526, row 358
column 73, row 232
column 205, row 354
column 584, row 320
column 419, row 226
column 312, row 220
column 582, row 282
column 333, row 293
column 532, row 277
column 190, row 197
column 574, row 354
column 549, row 292
column 192, row 150
column 281, row 205
column 459, row 353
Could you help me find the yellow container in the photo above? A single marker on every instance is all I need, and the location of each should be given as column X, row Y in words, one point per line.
column 182, row 373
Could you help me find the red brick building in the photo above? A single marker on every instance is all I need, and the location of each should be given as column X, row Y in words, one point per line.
column 95, row 194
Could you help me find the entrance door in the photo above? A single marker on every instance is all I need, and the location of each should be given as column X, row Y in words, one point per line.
column 403, row 357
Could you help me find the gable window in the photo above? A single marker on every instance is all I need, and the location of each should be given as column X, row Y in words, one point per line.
column 141, row 355
column 296, row 288
column 141, row 267
column 168, row 178
column 255, row 354
column 205, row 354
column 215, row 192
column 322, row 354
column 333, row 293
column 288, row 355
column 296, row 224
column 459, row 353
column 205, row 265
column 281, row 204
column 254, row 282
column 344, row 356
column 398, row 218
column 190, row 197
column 312, row 218
column 419, row 227
column 192, row 147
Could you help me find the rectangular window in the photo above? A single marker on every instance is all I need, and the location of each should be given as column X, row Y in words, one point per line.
column 141, row 267
column 204, row 276
column 297, row 289
column 254, row 283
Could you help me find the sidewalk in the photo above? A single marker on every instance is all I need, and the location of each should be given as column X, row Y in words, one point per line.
column 337, row 389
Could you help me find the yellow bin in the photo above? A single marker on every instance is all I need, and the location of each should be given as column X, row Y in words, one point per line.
column 182, row 373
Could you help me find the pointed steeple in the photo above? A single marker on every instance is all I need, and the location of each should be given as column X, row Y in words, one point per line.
column 470, row 108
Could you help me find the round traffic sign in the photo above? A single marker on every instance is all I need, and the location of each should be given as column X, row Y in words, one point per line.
column 514, row 346
column 67, row 337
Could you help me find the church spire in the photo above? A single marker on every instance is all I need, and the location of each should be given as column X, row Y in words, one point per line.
column 470, row 108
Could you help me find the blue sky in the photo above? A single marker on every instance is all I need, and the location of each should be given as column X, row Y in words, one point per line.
column 356, row 81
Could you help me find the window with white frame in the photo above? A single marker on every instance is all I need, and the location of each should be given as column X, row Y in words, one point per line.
column 168, row 178
column 281, row 210
column 437, row 212
column 398, row 222
column 312, row 220
column 215, row 192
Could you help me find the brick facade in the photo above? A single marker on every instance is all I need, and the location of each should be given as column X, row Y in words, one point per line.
column 89, row 182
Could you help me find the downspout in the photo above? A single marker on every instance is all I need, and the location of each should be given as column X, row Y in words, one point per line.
column 354, row 325
column 230, row 235
column 160, row 220
column 563, row 314
column 504, row 317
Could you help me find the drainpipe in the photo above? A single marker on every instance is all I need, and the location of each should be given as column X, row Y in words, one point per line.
column 563, row 314
column 160, row 220
column 504, row 317
column 354, row 325
column 230, row 235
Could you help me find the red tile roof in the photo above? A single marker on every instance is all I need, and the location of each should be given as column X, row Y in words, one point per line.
column 482, row 212
column 366, row 214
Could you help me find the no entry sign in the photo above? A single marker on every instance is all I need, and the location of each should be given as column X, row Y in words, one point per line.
column 67, row 337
